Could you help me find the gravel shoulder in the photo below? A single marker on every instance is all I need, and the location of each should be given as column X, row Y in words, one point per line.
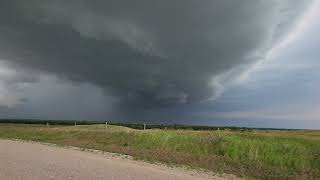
column 36, row 161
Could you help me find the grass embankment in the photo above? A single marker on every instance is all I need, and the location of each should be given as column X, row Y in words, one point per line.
column 259, row 154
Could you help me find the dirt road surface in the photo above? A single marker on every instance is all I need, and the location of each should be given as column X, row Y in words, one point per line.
column 35, row 161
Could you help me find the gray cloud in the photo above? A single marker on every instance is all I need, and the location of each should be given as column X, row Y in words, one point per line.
column 147, row 53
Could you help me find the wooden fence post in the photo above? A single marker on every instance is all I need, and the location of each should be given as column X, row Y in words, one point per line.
column 106, row 127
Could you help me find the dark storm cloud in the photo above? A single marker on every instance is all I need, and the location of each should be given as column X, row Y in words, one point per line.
column 150, row 53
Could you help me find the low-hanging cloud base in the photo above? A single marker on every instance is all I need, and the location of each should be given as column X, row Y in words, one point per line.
column 146, row 54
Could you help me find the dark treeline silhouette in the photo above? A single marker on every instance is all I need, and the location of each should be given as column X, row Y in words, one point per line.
column 134, row 125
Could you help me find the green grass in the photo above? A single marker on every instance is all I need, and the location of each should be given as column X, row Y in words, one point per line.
column 256, row 154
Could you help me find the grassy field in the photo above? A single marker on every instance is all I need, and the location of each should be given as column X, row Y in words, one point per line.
column 260, row 154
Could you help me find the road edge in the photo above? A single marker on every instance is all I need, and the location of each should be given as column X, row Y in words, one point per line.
column 189, row 170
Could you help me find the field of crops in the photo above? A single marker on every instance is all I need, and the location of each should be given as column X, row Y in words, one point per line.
column 262, row 154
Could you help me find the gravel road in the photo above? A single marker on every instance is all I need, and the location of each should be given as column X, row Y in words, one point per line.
column 35, row 161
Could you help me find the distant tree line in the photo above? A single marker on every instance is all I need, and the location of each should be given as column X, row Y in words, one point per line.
column 134, row 125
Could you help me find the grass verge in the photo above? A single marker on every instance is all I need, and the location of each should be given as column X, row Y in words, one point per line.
column 257, row 154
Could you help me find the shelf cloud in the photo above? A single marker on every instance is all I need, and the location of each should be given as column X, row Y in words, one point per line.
column 145, row 53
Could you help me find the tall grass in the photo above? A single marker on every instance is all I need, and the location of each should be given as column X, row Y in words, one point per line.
column 288, row 153
column 251, row 154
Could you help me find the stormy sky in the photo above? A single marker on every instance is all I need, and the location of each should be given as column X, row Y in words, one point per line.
column 214, row 62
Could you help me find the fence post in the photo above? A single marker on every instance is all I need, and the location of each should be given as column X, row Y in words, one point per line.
column 106, row 127
column 47, row 124
column 219, row 131
column 144, row 126
column 75, row 123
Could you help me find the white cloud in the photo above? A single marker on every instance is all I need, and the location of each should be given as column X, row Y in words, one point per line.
column 311, row 16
